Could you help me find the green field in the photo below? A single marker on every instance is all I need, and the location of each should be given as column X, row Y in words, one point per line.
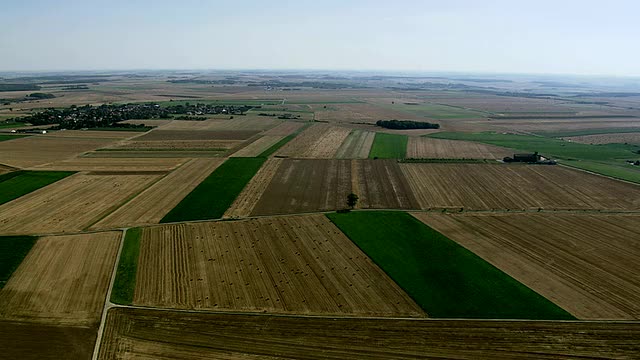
column 445, row 279
column 4, row 125
column 437, row 111
column 125, row 282
column 216, row 193
column 11, row 137
column 12, row 250
column 389, row 146
column 588, row 132
column 606, row 159
column 19, row 183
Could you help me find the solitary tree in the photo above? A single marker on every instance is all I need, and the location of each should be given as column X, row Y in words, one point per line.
column 352, row 200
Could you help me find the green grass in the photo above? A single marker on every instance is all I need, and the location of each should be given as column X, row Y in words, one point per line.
column 125, row 282
column 216, row 193
column 445, row 279
column 11, row 137
column 623, row 172
column 389, row 146
column 4, row 125
column 18, row 183
column 13, row 249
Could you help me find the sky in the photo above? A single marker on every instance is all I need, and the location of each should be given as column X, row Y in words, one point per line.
column 492, row 36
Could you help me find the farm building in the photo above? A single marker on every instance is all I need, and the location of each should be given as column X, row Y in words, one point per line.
column 530, row 158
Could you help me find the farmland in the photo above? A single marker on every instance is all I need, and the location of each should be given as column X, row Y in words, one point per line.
column 356, row 146
column 216, row 235
column 317, row 141
column 447, row 280
column 389, row 146
column 428, row 148
column 516, row 187
column 18, row 183
column 70, row 204
column 248, row 198
column 152, row 334
column 150, row 206
column 584, row 263
column 12, row 250
column 62, row 281
column 213, row 196
column 300, row 264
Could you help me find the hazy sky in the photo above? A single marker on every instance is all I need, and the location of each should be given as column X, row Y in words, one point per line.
column 537, row 36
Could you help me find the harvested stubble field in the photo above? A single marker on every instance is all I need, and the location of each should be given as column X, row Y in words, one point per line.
column 89, row 134
column 37, row 150
column 132, row 165
column 62, row 281
column 164, row 135
column 21, row 340
column 516, row 187
column 587, row 264
column 156, row 201
column 305, row 186
column 360, row 113
column 70, row 204
column 318, row 141
column 259, row 146
column 357, row 145
column 300, row 264
column 284, row 129
column 428, row 148
column 250, row 195
column 622, row 138
column 322, row 185
column 177, row 145
column 244, row 123
column 170, row 334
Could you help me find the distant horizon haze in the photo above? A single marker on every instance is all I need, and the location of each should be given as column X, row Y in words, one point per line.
column 587, row 38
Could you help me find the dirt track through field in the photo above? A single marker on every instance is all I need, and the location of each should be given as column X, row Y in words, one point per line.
column 587, row 264
column 516, row 187
column 156, row 334
column 298, row 264
column 70, row 204
column 63, row 280
column 155, row 202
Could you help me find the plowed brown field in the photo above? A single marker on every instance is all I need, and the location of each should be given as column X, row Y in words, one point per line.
column 318, row 141
column 299, row 264
column 248, row 198
column 587, row 264
column 165, row 334
column 70, row 204
column 323, row 185
column 63, row 280
column 155, row 202
column 427, row 148
column 486, row 187
column 357, row 145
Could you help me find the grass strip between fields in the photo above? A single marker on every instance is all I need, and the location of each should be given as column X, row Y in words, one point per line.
column 444, row 278
column 18, row 183
column 125, row 283
column 13, row 250
column 216, row 193
column 389, row 146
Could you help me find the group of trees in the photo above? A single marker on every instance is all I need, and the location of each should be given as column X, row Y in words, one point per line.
column 406, row 124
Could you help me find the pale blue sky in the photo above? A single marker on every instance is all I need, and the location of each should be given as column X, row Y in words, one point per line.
column 541, row 36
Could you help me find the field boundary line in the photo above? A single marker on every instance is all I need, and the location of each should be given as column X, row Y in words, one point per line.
column 107, row 300
column 351, row 317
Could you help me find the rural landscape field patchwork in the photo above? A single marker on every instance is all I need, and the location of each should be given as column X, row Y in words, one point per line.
column 300, row 215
